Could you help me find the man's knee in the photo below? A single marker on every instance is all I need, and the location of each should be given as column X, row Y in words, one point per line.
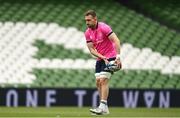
column 103, row 81
column 98, row 82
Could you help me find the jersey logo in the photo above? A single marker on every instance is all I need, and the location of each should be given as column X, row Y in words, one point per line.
column 90, row 37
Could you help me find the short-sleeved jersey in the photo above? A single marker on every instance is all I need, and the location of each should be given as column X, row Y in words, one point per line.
column 100, row 40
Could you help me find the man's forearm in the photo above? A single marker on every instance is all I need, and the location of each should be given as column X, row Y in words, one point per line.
column 116, row 40
column 96, row 54
column 117, row 46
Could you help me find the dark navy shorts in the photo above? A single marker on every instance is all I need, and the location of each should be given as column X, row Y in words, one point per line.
column 99, row 69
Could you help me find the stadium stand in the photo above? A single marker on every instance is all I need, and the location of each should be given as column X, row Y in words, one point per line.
column 42, row 45
column 166, row 12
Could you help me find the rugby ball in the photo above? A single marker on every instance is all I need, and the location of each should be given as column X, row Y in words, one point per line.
column 112, row 66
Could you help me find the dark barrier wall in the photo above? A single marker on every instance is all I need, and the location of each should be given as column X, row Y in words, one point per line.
column 128, row 98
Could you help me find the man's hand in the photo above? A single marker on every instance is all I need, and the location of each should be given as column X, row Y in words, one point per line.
column 105, row 60
column 118, row 61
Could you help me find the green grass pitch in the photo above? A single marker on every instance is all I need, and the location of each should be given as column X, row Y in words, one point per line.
column 61, row 112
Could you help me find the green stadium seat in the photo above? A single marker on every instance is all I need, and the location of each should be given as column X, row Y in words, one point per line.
column 157, row 86
column 145, row 86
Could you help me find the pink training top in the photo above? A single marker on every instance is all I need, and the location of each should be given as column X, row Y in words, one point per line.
column 100, row 40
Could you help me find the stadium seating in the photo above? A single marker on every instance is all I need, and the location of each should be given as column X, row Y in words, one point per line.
column 167, row 12
column 42, row 45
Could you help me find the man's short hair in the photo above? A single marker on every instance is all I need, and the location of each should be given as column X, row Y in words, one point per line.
column 90, row 12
